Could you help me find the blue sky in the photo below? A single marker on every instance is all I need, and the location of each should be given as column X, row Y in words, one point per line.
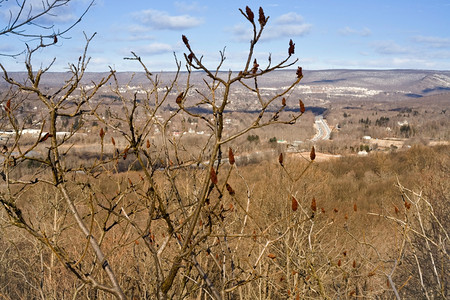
column 328, row 34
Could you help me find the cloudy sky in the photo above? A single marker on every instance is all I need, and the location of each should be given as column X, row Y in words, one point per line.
column 329, row 34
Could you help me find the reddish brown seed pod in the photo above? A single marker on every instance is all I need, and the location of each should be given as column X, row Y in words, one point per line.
column 396, row 210
column 283, row 101
column 148, row 144
column 294, row 204
column 190, row 57
column 280, row 159
column 125, row 153
column 313, row 204
column 55, row 39
column 102, row 133
column 113, row 141
column 8, row 106
column 271, row 255
column 312, row 154
column 355, row 208
column 336, row 210
column 339, row 263
column 179, row 98
column 354, row 264
column 130, row 182
column 322, row 209
column 213, row 176
column 231, row 159
column 346, row 216
column 344, row 253
column 185, row 41
column 299, row 72
column 302, row 106
column 291, row 49
column 250, row 14
column 262, row 18
column 407, row 205
column 255, row 66
column 45, row 137
column 230, row 190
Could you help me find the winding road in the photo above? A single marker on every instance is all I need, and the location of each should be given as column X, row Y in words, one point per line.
column 323, row 131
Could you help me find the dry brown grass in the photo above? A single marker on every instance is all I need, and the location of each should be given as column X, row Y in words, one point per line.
column 348, row 255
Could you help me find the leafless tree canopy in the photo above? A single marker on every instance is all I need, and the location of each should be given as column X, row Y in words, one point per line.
column 31, row 20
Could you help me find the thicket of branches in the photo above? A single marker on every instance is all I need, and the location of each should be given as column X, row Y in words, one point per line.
column 31, row 21
column 147, row 216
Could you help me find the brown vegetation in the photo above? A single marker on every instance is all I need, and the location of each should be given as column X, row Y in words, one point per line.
column 141, row 213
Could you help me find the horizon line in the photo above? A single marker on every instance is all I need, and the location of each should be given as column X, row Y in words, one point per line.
column 283, row 70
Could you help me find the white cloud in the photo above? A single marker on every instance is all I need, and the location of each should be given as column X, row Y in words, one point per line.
column 138, row 37
column 6, row 47
column 192, row 6
column 432, row 41
column 162, row 20
column 241, row 32
column 99, row 61
column 288, row 30
column 289, row 18
column 443, row 54
column 137, row 28
column 62, row 14
column 154, row 49
column 288, row 25
column 381, row 63
column 390, row 47
column 350, row 31
column 138, row 33
column 414, row 63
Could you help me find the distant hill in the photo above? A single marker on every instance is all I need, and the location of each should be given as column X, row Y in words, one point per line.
column 333, row 83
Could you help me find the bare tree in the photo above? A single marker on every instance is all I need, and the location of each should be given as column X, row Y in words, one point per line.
column 164, row 220
column 32, row 21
